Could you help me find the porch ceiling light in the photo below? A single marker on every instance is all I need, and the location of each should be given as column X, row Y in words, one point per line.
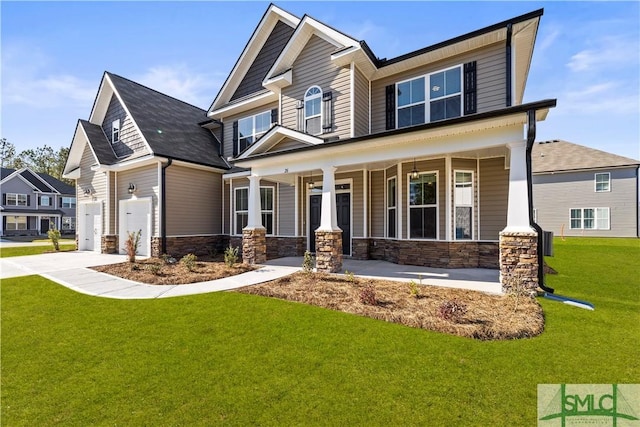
column 414, row 172
column 132, row 188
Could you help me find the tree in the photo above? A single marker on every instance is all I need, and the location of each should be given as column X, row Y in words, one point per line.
column 7, row 154
column 42, row 159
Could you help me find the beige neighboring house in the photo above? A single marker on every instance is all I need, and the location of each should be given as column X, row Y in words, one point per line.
column 314, row 143
column 581, row 191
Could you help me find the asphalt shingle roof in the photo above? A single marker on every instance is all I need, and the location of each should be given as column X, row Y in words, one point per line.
column 169, row 125
column 5, row 172
column 54, row 183
column 99, row 142
column 62, row 187
column 35, row 181
column 558, row 155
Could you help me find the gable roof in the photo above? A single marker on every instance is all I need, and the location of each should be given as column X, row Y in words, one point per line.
column 59, row 186
column 558, row 156
column 170, row 126
column 5, row 172
column 42, row 182
column 35, row 181
column 100, row 145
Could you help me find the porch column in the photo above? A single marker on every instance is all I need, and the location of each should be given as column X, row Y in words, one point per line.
column 518, row 241
column 254, row 242
column 328, row 235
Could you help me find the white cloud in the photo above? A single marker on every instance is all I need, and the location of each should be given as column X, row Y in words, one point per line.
column 607, row 52
column 182, row 83
column 27, row 81
column 603, row 98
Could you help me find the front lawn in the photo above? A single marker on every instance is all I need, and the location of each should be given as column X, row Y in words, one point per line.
column 33, row 250
column 236, row 359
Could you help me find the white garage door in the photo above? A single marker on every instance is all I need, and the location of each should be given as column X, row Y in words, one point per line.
column 89, row 226
column 136, row 215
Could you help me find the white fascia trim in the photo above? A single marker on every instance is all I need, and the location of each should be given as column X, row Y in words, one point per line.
column 126, row 109
column 281, row 131
column 42, row 180
column 248, row 55
column 96, row 102
column 244, row 105
column 235, row 175
column 23, row 179
column 74, row 174
column 282, row 80
column 135, row 163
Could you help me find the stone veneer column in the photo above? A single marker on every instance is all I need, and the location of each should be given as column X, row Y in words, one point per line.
column 109, row 244
column 519, row 262
column 254, row 245
column 328, row 235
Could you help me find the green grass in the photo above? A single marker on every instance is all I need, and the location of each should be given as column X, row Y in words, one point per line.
column 32, row 250
column 227, row 358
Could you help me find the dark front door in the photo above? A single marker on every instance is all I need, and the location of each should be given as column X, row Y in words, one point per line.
column 44, row 225
column 343, row 211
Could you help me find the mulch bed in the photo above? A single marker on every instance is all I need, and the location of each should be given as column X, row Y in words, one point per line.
column 482, row 316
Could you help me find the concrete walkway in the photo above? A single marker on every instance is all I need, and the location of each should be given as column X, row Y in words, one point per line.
column 70, row 269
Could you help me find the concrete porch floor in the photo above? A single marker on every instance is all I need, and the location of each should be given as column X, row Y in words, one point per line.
column 476, row 279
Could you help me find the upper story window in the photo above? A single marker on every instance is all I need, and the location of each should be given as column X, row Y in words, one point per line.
column 68, row 202
column 313, row 111
column 115, row 131
column 251, row 128
column 603, row 182
column 45, row 201
column 13, row 199
column 435, row 96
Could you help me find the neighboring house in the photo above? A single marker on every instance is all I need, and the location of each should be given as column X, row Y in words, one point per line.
column 313, row 143
column 580, row 191
column 33, row 203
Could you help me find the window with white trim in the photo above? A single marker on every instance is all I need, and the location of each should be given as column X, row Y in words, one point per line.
column 45, row 201
column 463, row 199
column 241, row 211
column 423, row 206
column 442, row 99
column 590, row 219
column 69, row 202
column 115, row 131
column 16, row 199
column 313, row 111
column 251, row 128
column 391, row 207
column 603, row 182
column 68, row 223
column 16, row 222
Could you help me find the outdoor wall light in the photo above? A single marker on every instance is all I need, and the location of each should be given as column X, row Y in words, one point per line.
column 132, row 188
column 87, row 191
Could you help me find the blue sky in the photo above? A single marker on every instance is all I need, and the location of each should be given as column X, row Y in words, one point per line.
column 54, row 54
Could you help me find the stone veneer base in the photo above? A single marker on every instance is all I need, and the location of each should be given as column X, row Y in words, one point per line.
column 328, row 251
column 178, row 247
column 254, row 245
column 109, row 244
column 519, row 262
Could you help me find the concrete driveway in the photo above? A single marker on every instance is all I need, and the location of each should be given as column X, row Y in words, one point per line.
column 52, row 262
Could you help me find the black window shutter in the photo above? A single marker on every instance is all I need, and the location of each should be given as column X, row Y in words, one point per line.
column 470, row 90
column 28, row 200
column 39, row 201
column 390, row 106
column 327, row 108
column 300, row 111
column 235, row 138
column 274, row 116
column 4, row 199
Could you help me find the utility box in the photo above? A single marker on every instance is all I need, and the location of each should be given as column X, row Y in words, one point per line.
column 547, row 243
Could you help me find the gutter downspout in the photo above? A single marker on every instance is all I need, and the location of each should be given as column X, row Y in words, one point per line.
column 163, row 203
column 221, row 135
column 531, row 137
column 508, row 65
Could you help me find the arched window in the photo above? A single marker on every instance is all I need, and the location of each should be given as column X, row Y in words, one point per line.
column 313, row 111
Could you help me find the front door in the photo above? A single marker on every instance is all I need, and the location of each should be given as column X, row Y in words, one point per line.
column 343, row 211
column 44, row 225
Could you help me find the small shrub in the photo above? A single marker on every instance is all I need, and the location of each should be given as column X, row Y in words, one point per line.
column 154, row 269
column 414, row 289
column 452, row 310
column 368, row 295
column 54, row 236
column 212, row 251
column 135, row 267
column 350, row 276
column 132, row 244
column 189, row 261
column 308, row 262
column 231, row 256
column 168, row 259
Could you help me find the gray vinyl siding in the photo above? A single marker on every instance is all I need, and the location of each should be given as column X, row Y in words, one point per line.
column 146, row 182
column 92, row 180
column 17, row 186
column 494, row 194
column 361, row 107
column 131, row 141
column 491, row 81
column 252, row 81
column 286, row 210
column 554, row 195
column 193, row 201
column 313, row 67
column 436, row 165
column 378, row 210
column 228, row 126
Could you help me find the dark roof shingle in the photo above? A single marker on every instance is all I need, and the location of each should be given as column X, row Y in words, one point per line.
column 99, row 143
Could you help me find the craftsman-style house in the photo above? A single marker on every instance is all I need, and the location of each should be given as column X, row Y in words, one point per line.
column 313, row 143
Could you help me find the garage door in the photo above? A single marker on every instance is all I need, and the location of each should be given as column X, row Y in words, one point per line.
column 89, row 226
column 136, row 215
